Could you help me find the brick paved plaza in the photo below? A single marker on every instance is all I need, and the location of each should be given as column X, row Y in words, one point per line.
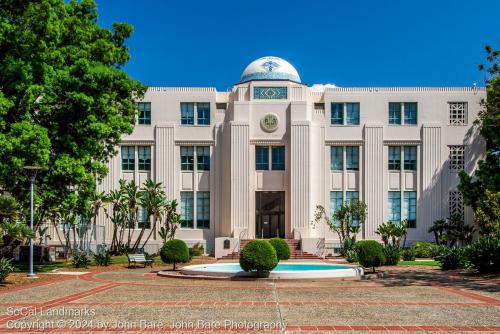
column 425, row 300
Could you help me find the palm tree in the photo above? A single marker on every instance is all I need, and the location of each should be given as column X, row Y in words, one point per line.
column 152, row 199
column 132, row 196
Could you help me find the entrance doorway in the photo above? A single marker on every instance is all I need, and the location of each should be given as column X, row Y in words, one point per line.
column 270, row 214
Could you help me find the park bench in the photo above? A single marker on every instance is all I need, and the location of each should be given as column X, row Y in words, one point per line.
column 139, row 259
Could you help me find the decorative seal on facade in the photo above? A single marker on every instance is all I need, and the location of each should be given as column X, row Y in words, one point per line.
column 269, row 122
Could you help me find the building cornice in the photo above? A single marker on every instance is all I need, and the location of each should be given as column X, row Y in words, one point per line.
column 345, row 142
column 183, row 89
column 404, row 89
column 139, row 142
column 414, row 142
column 195, row 142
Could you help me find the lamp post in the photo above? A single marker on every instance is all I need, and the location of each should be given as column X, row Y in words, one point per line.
column 32, row 170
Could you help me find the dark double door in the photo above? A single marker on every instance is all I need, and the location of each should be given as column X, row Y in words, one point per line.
column 270, row 214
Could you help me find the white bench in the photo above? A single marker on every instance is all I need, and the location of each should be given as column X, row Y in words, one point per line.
column 139, row 259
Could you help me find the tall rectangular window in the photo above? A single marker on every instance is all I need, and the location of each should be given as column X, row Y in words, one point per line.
column 394, row 158
column 335, row 201
column 410, row 208
column 349, row 197
column 187, row 113
column 410, row 112
column 352, row 157
column 144, row 116
column 203, row 113
column 187, row 158
column 352, row 113
column 142, row 218
column 394, row 206
column 410, row 157
column 337, row 116
column 128, row 158
column 278, row 157
column 144, row 157
column 187, row 209
column 203, row 209
column 261, row 158
column 203, row 158
column 336, row 157
column 456, row 157
column 394, row 113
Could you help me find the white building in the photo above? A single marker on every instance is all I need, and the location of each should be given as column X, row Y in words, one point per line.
column 255, row 161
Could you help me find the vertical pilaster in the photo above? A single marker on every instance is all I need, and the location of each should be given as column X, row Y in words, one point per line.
column 165, row 158
column 240, row 177
column 374, row 178
column 300, row 185
column 430, row 198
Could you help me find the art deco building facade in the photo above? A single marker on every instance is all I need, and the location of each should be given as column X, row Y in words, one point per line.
column 255, row 162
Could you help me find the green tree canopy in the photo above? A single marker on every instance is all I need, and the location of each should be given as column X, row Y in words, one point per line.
column 482, row 190
column 65, row 102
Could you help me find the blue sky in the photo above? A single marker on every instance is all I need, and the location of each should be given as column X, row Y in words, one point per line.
column 348, row 43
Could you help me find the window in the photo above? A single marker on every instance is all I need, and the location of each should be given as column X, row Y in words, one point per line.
column 203, row 209
column 187, row 158
column 144, row 113
column 128, row 158
column 261, row 158
column 337, row 158
column 335, row 201
column 458, row 113
column 394, row 158
column 144, row 157
column 142, row 218
column 410, row 156
column 352, row 113
column 352, row 157
column 410, row 112
column 337, row 116
column 278, row 157
column 394, row 113
column 349, row 197
column 456, row 205
column 187, row 209
column 203, row 158
column 410, row 208
column 203, row 113
column 456, row 157
column 187, row 113
column 394, row 206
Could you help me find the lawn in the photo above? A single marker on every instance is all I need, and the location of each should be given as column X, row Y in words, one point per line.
column 420, row 263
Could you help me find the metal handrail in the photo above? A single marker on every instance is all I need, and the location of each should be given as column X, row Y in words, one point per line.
column 300, row 241
column 238, row 243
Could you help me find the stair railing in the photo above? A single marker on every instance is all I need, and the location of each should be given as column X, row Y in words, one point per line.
column 243, row 233
column 300, row 241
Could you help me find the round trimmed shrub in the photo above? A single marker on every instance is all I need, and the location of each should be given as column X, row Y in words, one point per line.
column 392, row 255
column 258, row 255
column 281, row 247
column 175, row 251
column 484, row 254
column 370, row 253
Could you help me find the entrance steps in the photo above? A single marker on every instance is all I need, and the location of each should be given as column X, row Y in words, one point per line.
column 293, row 244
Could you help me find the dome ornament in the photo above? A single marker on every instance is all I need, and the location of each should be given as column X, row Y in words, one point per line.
column 270, row 65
